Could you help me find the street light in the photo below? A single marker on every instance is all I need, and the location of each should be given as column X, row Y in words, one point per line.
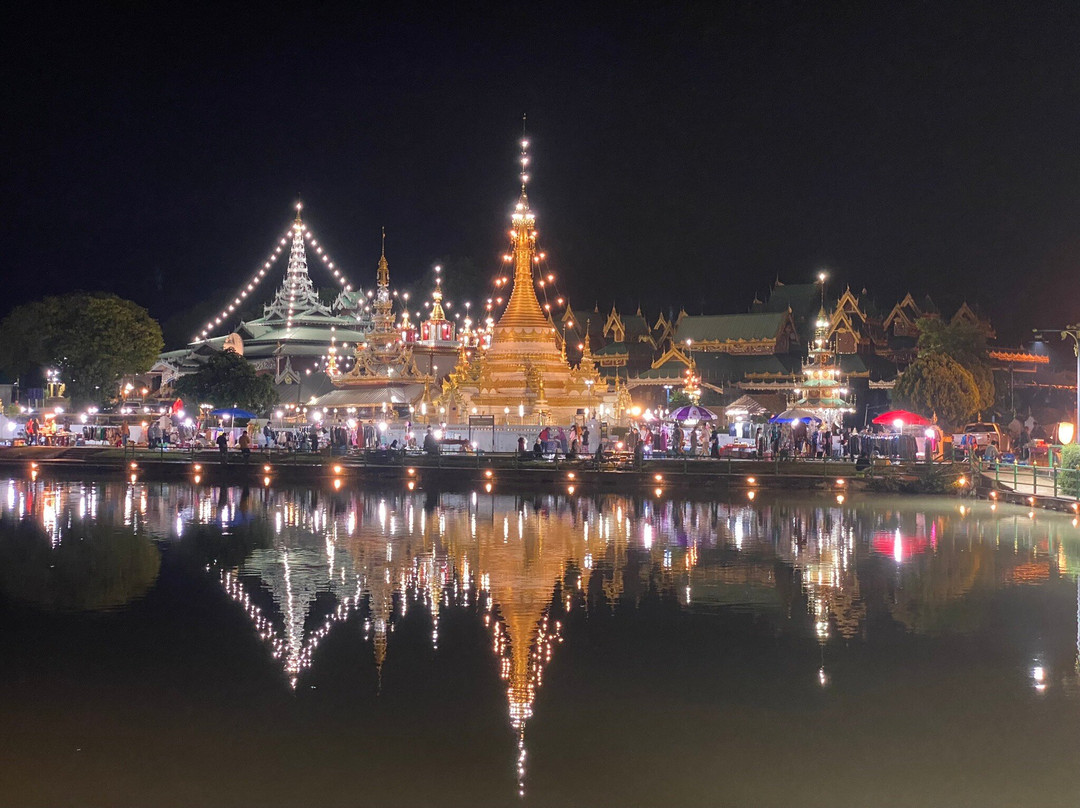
column 1072, row 332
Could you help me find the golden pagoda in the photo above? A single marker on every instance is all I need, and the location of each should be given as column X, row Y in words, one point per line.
column 384, row 370
column 524, row 369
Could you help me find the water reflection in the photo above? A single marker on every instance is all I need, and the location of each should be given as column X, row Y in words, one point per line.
column 98, row 567
column 301, row 563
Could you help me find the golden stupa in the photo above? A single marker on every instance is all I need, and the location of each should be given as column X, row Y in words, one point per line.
column 525, row 369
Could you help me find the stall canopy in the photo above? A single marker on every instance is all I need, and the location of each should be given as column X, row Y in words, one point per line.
column 755, row 406
column 901, row 418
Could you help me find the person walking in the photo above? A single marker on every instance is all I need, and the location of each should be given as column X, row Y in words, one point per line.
column 245, row 445
column 223, row 446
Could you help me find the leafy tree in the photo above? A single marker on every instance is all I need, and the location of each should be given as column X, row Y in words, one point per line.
column 92, row 339
column 678, row 399
column 226, row 380
column 937, row 383
column 965, row 343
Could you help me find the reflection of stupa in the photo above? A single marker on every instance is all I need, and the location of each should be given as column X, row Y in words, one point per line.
column 522, row 572
column 524, row 366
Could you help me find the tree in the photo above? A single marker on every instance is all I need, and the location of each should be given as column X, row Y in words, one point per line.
column 937, row 383
column 92, row 339
column 227, row 380
column 966, row 343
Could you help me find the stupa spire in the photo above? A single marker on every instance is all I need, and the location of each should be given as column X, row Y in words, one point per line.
column 383, row 305
column 523, row 309
column 437, row 313
column 298, row 267
column 297, row 296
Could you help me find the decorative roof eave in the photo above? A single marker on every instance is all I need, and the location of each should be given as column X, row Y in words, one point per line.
column 1020, row 356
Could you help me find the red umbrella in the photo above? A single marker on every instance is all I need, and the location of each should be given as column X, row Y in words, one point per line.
column 903, row 416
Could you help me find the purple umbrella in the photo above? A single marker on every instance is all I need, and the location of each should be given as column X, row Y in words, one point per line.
column 692, row 412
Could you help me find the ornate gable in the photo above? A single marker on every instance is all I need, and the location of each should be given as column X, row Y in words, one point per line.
column 614, row 329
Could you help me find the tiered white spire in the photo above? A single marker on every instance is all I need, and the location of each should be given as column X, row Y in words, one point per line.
column 297, row 296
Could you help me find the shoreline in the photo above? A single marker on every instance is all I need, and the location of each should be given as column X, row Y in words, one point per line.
column 504, row 472
column 709, row 474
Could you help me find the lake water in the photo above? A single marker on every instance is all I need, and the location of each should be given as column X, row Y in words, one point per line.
column 176, row 645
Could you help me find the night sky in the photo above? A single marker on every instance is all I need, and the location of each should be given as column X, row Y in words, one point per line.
column 683, row 154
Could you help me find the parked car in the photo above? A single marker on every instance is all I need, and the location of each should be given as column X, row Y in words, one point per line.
column 985, row 433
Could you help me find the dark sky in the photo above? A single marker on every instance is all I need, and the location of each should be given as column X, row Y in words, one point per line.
column 683, row 154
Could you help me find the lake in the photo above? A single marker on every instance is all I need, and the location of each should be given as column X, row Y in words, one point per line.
column 170, row 644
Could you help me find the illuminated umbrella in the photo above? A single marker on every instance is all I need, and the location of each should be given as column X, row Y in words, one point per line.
column 905, row 418
column 793, row 415
column 692, row 412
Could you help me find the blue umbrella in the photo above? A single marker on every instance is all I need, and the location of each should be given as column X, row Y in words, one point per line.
column 233, row 412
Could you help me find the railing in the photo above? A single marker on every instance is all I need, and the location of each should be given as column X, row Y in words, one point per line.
column 1042, row 481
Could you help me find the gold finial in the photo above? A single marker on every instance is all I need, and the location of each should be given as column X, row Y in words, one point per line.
column 382, row 275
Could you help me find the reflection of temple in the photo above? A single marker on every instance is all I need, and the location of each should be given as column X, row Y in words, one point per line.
column 525, row 369
column 378, row 560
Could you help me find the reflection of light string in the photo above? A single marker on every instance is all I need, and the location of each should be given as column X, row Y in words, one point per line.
column 294, row 663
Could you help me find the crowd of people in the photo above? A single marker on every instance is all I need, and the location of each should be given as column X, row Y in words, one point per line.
column 706, row 439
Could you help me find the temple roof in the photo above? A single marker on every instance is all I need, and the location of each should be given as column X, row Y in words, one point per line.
column 718, row 367
column 277, row 332
column 801, row 298
column 371, row 396
column 613, row 349
column 877, row 368
column 728, row 327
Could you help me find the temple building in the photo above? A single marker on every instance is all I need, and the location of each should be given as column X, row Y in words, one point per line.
column 384, row 375
column 292, row 336
column 823, row 390
column 524, row 370
column 435, row 343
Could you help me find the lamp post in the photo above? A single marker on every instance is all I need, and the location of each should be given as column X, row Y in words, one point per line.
column 1070, row 332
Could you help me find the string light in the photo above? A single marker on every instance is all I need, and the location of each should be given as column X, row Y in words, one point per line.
column 295, row 229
